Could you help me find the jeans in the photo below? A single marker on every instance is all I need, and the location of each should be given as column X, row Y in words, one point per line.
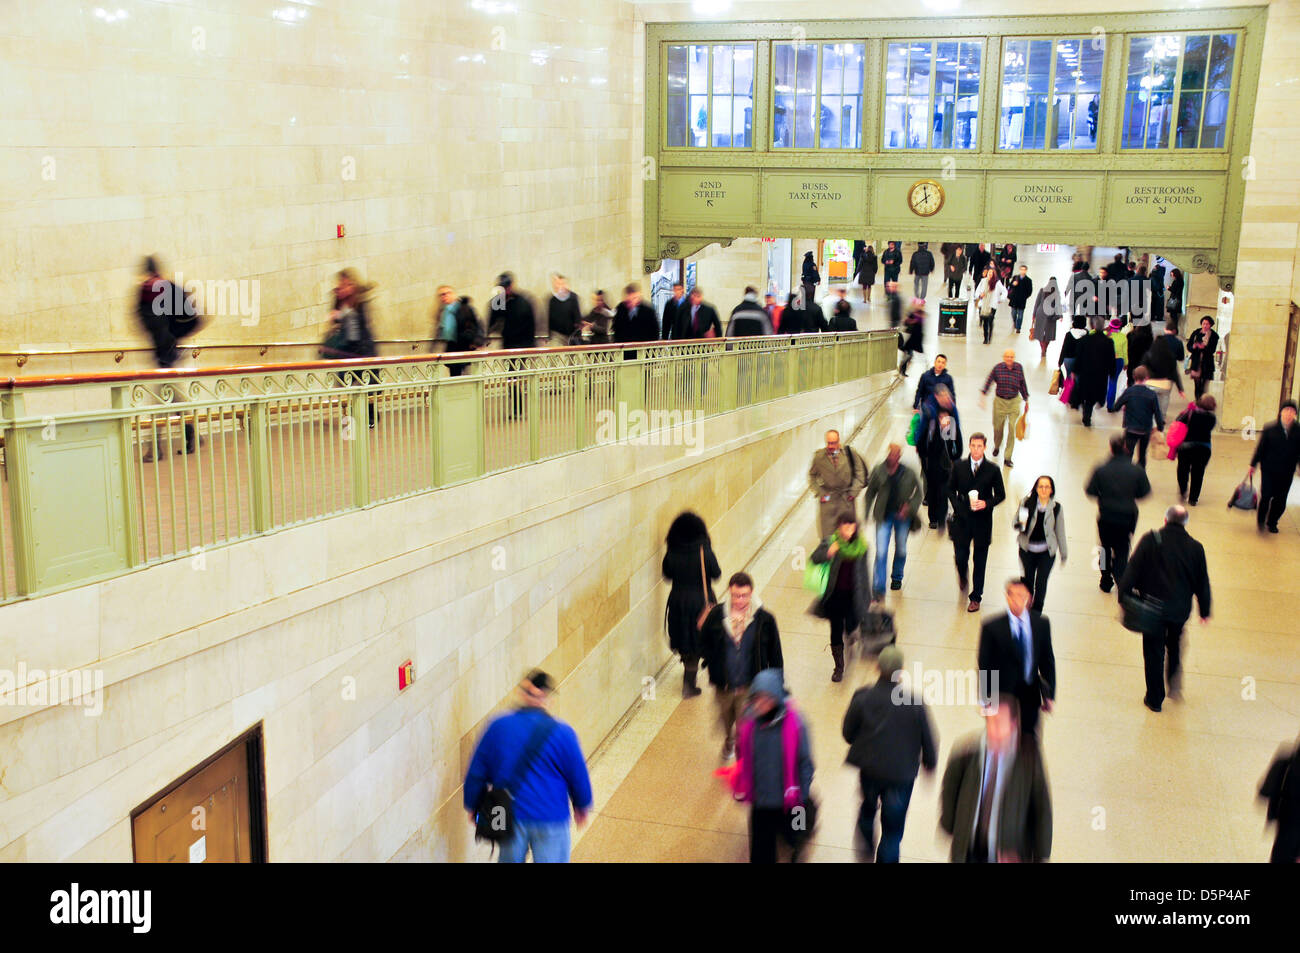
column 920, row 284
column 899, row 528
column 548, row 840
column 1006, row 411
column 954, row 287
column 1112, row 385
column 986, row 322
column 1068, row 364
column 1192, row 461
column 1116, row 538
column 1155, row 645
column 1134, row 439
column 1037, row 567
column 1017, row 317
column 894, row 797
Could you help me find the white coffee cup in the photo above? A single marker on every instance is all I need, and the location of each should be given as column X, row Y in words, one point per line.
column 974, row 496
column 1024, row 515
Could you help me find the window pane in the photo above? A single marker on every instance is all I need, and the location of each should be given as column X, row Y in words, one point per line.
column 1135, row 104
column 1078, row 73
column 832, row 71
column 831, row 123
column 896, row 70
column 968, row 92
column 677, row 59
column 721, row 70
column 918, row 123
column 1188, row 134
column 1221, row 61
column 918, row 71
column 854, row 62
column 895, row 134
column 1194, row 60
column 699, row 121
column 677, row 121
column 699, row 69
column 783, row 95
column 743, row 104
column 1214, row 124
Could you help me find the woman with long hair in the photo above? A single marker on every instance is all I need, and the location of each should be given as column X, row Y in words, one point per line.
column 1194, row 452
column 1200, row 353
column 988, row 295
column 689, row 565
column 350, row 322
column 1041, row 527
column 848, row 594
column 866, row 272
column 1047, row 311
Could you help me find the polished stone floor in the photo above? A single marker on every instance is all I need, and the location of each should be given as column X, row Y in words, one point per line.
column 1127, row 784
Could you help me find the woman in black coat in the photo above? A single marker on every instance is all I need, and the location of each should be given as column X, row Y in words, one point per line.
column 1094, row 362
column 810, row 277
column 1174, row 307
column 688, row 560
column 1200, row 352
column 866, row 271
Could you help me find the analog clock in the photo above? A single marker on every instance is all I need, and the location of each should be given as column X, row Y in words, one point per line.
column 925, row 197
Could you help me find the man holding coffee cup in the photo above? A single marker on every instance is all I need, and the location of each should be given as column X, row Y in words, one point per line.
column 974, row 490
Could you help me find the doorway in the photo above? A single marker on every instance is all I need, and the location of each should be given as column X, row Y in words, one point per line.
column 215, row 813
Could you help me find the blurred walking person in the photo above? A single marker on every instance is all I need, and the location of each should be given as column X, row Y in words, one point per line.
column 168, row 315
column 1201, row 347
column 995, row 801
column 848, row 595
column 865, row 273
column 1141, row 406
column 1168, row 566
column 739, row 639
column 988, row 295
column 954, row 270
column 690, row 565
column 974, row 490
column 538, row 762
column 1116, row 485
column 837, row 475
column 563, row 314
column 1009, row 376
column 1019, row 288
column 774, row 771
column 1194, row 452
column 913, row 335
column 1281, row 787
column 809, row 278
column 1015, row 656
column 920, row 266
column 1094, row 362
column 1277, row 455
column 939, row 446
column 1047, row 312
column 893, row 502
column 890, row 734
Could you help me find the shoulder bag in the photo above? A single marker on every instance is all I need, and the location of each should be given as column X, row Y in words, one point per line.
column 495, row 815
column 1143, row 613
column 709, row 602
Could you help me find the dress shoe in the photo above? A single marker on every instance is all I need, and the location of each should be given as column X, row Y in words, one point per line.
column 1007, row 463
column 974, row 606
column 1155, row 708
column 934, row 524
column 996, row 451
column 896, row 585
column 1273, row 529
column 1107, row 583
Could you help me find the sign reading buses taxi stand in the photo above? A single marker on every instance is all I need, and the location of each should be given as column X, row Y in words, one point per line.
column 924, row 130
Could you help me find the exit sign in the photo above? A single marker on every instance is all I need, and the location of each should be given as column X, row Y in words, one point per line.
column 1046, row 249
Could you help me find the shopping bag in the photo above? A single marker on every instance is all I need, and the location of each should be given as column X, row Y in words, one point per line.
column 913, row 428
column 1244, row 496
column 815, row 576
column 1067, row 389
column 1021, row 426
column 1055, row 387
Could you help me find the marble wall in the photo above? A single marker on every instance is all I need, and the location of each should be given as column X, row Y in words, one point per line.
column 231, row 137
column 304, row 630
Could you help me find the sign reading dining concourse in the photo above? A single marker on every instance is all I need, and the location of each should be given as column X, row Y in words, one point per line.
column 1055, row 201
column 815, row 198
column 708, row 197
column 1170, row 202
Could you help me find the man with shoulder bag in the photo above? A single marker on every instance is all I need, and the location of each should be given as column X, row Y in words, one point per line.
column 526, row 770
column 1166, row 571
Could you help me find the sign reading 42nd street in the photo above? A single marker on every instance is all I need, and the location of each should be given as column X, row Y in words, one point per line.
column 707, row 197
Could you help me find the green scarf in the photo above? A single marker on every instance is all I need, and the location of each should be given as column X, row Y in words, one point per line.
column 851, row 550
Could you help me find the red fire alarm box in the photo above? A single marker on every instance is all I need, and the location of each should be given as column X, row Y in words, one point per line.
column 340, row 231
column 405, row 674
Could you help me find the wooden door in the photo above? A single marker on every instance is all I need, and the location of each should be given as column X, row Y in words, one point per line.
column 211, row 815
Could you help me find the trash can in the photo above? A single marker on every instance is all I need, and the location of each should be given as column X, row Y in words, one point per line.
column 952, row 317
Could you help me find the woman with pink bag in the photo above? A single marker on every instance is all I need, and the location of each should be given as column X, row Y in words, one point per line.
column 1193, row 451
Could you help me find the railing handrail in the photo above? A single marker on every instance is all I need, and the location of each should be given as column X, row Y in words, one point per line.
column 454, row 357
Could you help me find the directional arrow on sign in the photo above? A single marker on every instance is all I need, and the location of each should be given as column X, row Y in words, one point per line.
column 1042, row 209
column 813, row 204
column 710, row 202
column 1160, row 209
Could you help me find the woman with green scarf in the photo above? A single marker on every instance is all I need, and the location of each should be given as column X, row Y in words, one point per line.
column 848, row 592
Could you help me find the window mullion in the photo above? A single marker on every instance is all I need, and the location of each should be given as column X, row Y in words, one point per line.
column 1051, row 98
column 929, row 115
column 708, row 103
column 817, row 97
column 1178, row 91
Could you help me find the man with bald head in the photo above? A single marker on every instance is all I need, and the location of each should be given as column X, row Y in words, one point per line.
column 1009, row 377
column 1168, row 566
column 837, row 475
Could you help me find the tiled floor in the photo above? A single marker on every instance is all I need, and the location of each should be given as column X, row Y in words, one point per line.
column 1127, row 784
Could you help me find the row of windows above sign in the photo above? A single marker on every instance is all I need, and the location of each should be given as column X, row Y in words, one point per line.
column 1177, row 94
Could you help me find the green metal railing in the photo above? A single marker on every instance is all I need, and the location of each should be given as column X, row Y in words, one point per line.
column 166, row 464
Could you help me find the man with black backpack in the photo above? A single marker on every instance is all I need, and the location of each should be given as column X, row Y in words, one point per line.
column 526, row 770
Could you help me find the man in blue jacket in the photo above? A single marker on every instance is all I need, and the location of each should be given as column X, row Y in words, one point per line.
column 543, row 789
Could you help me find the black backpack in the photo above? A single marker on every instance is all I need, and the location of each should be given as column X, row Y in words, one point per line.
column 469, row 331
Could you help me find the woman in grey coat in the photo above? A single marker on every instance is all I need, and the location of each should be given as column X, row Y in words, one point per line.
column 1047, row 311
column 1040, row 524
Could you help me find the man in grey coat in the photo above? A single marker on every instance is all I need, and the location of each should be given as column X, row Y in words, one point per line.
column 837, row 475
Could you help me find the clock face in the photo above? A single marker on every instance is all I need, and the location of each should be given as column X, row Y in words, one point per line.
column 925, row 197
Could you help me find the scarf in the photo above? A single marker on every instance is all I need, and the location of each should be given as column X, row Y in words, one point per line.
column 854, row 549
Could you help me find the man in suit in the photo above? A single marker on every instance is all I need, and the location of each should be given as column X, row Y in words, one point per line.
column 695, row 319
column 974, row 490
column 676, row 304
column 1016, row 658
column 1168, row 565
column 634, row 320
column 995, row 801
